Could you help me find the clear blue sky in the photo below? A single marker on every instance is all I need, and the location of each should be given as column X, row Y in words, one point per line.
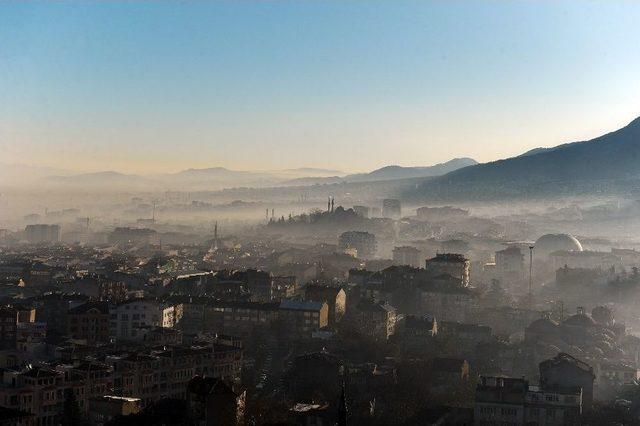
column 160, row 86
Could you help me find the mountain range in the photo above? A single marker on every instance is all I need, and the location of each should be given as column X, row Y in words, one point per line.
column 213, row 178
column 389, row 173
column 606, row 163
column 610, row 158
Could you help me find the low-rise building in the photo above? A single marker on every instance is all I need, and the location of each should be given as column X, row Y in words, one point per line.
column 364, row 243
column 8, row 327
column 213, row 402
column 406, row 255
column 452, row 264
column 418, row 331
column 302, row 318
column 105, row 408
column 375, row 320
column 512, row 401
column 239, row 318
column 334, row 297
column 565, row 371
column 127, row 317
column 90, row 322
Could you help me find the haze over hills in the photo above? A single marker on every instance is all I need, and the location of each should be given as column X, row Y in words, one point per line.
column 390, row 173
column 612, row 157
column 212, row 178
column 11, row 174
column 216, row 178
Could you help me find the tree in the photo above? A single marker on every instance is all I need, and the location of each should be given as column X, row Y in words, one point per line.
column 71, row 414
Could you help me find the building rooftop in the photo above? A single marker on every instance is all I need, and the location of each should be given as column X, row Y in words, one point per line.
column 448, row 257
column 300, row 305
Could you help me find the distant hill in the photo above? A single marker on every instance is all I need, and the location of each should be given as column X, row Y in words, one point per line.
column 216, row 178
column 22, row 174
column 398, row 172
column 212, row 178
column 99, row 180
column 388, row 173
column 612, row 157
column 101, row 177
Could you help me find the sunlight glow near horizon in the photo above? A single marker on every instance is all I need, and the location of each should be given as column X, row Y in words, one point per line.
column 146, row 87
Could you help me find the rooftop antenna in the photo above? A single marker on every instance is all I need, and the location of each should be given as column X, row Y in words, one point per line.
column 215, row 235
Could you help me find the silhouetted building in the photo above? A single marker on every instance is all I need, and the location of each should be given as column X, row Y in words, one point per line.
column 510, row 263
column 565, row 371
column 213, row 402
column 406, row 255
column 105, row 408
column 391, row 208
column 260, row 285
column 375, row 320
column 90, row 322
column 302, row 318
column 42, row 233
column 363, row 242
column 8, row 327
column 334, row 297
column 362, row 211
column 452, row 264
column 512, row 401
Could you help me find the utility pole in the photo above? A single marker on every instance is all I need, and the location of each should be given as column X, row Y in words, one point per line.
column 530, row 269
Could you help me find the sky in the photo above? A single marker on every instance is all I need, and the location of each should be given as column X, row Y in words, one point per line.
column 146, row 87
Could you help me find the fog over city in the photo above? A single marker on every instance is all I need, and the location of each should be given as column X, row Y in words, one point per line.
column 319, row 213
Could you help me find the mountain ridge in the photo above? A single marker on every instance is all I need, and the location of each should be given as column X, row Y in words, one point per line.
column 611, row 156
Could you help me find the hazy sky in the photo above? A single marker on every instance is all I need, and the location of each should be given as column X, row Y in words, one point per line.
column 160, row 86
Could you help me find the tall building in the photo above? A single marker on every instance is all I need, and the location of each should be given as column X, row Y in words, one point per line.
column 8, row 324
column 302, row 318
column 363, row 242
column 128, row 318
column 42, row 233
column 564, row 371
column 335, row 297
column 362, row 211
column 90, row 322
column 391, row 208
column 510, row 263
column 375, row 320
column 260, row 285
column 406, row 255
column 512, row 401
column 213, row 402
column 452, row 264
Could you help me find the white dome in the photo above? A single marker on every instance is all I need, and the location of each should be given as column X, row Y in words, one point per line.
column 557, row 242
